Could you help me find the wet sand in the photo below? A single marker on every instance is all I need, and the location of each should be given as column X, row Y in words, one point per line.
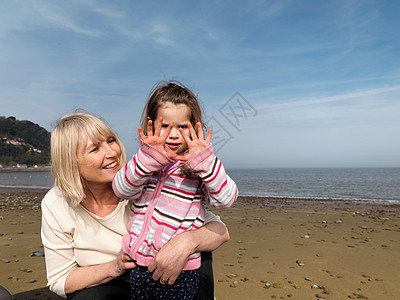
column 279, row 249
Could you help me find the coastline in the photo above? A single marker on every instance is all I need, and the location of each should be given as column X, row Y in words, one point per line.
column 279, row 248
column 30, row 169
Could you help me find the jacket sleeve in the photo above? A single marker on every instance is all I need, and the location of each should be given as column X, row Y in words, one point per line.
column 220, row 189
column 128, row 183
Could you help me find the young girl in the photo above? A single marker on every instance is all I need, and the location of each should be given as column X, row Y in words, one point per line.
column 173, row 173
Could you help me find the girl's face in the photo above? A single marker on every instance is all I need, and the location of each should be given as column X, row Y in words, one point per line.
column 98, row 161
column 177, row 115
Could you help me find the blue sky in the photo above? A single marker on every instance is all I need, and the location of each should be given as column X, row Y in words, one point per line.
column 284, row 83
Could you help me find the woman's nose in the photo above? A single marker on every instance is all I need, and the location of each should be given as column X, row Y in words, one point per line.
column 110, row 151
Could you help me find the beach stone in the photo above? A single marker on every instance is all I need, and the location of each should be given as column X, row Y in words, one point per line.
column 228, row 265
column 37, row 253
column 308, row 279
column 276, row 286
column 314, row 286
column 300, row 263
column 13, row 279
column 6, row 261
column 234, row 284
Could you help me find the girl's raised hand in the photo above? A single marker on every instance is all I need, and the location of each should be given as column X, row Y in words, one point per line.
column 196, row 143
column 156, row 140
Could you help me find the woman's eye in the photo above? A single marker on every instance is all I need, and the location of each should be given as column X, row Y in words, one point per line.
column 183, row 126
column 94, row 149
column 111, row 140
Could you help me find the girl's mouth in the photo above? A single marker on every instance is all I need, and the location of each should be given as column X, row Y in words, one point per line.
column 173, row 146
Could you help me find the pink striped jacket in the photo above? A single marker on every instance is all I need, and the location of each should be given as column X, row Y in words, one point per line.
column 167, row 202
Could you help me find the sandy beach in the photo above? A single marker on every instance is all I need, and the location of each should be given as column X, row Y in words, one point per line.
column 279, row 249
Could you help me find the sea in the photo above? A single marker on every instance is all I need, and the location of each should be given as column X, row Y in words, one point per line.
column 381, row 185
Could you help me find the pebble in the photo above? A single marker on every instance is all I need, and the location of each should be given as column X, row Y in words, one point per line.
column 37, row 253
column 299, row 263
column 231, row 275
column 6, row 261
column 13, row 279
column 314, row 286
column 276, row 286
column 228, row 265
column 308, row 279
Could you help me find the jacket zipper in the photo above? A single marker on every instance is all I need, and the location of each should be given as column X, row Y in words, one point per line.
column 153, row 202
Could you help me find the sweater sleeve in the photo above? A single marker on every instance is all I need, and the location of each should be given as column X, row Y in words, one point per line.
column 59, row 252
column 220, row 189
column 128, row 183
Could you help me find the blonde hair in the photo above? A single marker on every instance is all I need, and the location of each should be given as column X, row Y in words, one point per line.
column 71, row 130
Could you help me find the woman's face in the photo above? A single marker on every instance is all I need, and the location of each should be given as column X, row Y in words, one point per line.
column 98, row 161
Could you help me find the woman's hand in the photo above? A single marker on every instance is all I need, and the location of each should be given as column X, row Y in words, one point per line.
column 122, row 263
column 196, row 143
column 171, row 258
column 157, row 140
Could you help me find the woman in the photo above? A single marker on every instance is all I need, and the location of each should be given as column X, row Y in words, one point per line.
column 83, row 221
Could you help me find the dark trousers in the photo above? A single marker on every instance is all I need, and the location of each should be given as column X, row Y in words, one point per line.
column 144, row 287
column 119, row 288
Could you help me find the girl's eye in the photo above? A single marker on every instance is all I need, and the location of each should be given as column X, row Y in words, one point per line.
column 164, row 125
column 183, row 127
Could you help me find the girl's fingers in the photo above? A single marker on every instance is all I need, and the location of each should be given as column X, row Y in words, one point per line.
column 167, row 132
column 149, row 128
column 185, row 136
column 158, row 127
column 200, row 131
column 191, row 131
column 141, row 134
column 208, row 140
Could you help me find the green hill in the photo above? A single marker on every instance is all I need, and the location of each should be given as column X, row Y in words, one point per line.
column 23, row 142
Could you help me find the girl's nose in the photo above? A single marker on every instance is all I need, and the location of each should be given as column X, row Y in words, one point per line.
column 174, row 134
